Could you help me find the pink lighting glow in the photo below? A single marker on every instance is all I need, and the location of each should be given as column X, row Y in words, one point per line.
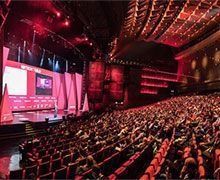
column 148, row 92
column 162, row 85
column 158, row 77
column 58, row 14
column 67, row 23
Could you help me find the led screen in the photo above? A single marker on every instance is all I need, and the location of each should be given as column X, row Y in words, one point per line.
column 44, row 84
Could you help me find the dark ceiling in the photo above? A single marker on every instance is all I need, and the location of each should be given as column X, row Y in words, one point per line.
column 147, row 31
column 176, row 23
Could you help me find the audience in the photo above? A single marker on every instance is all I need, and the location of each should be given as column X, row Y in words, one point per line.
column 134, row 129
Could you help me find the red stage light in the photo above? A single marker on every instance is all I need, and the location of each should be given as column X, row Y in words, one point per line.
column 67, row 23
column 58, row 14
column 90, row 44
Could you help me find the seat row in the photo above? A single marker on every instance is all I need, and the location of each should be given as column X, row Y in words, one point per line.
column 155, row 165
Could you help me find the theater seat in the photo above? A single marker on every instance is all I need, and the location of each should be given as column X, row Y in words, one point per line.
column 158, row 156
column 60, row 173
column 200, row 160
column 112, row 177
column 46, row 176
column 56, row 164
column 56, row 155
column 120, row 171
column 145, row 177
column 44, row 168
column 150, row 172
column 65, row 152
column 199, row 152
column 155, row 164
column 42, row 153
column 66, row 160
column 71, row 170
column 29, row 170
column 45, row 159
column 17, row 174
column 217, row 159
column 201, row 172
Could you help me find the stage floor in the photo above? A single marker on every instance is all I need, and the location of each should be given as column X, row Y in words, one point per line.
column 37, row 116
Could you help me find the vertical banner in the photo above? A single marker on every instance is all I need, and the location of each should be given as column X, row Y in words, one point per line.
column 5, row 111
column 70, row 91
column 79, row 89
column 60, row 90
column 85, row 104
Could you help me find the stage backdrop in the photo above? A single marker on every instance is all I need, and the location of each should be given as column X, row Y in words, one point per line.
column 33, row 88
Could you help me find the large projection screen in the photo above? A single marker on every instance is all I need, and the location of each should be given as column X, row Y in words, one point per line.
column 16, row 80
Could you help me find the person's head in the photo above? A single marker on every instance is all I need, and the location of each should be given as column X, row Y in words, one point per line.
column 190, row 164
column 90, row 161
column 163, row 176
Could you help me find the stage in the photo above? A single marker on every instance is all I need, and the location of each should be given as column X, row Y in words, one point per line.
column 38, row 116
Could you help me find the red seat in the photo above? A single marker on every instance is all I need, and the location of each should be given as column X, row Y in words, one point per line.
column 145, row 177
column 201, row 172
column 155, row 164
column 56, row 155
column 200, row 160
column 158, row 156
column 30, row 170
column 46, row 176
column 51, row 151
column 150, row 172
column 42, row 152
column 56, row 164
column 112, row 177
column 17, row 174
column 66, row 160
column 217, row 159
column 65, row 152
column 71, row 170
column 162, row 152
column 127, row 163
column 45, row 159
column 44, row 168
column 199, row 152
column 120, row 170
column 61, row 173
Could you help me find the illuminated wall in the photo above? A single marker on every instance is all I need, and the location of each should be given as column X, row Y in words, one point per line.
column 201, row 68
column 95, row 84
column 117, row 83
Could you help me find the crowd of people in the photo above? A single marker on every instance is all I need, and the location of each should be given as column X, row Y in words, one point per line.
column 92, row 141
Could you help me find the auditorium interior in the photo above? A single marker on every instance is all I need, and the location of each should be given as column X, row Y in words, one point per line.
column 101, row 89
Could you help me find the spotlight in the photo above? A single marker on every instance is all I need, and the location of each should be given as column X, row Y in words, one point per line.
column 58, row 14
column 67, row 23
column 90, row 44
